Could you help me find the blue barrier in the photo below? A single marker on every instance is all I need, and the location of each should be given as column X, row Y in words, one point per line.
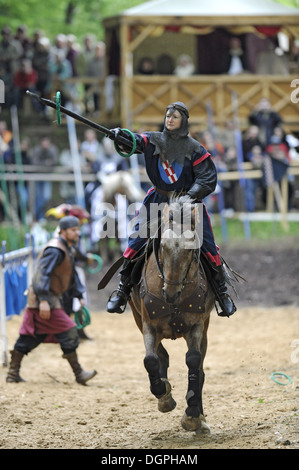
column 15, row 274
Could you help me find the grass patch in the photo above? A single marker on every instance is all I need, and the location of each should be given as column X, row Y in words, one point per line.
column 259, row 231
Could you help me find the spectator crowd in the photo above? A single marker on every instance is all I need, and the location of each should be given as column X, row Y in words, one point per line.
column 35, row 63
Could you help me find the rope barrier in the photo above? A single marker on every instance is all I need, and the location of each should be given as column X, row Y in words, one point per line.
column 98, row 267
column 126, row 155
column 82, row 318
column 281, row 374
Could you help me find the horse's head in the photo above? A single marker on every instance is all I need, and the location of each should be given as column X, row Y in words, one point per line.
column 179, row 242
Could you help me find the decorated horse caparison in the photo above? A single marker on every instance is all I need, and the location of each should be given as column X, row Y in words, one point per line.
column 173, row 300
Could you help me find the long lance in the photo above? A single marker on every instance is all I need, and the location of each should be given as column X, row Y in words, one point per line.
column 108, row 132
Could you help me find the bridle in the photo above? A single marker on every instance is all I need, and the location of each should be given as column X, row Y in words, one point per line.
column 181, row 282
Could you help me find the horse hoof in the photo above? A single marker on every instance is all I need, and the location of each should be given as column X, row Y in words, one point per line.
column 197, row 424
column 166, row 403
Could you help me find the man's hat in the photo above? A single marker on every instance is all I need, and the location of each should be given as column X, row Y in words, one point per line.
column 68, row 222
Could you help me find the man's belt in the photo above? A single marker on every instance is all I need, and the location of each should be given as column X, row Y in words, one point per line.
column 169, row 194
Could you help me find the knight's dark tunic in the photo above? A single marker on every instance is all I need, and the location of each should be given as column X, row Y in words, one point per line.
column 197, row 172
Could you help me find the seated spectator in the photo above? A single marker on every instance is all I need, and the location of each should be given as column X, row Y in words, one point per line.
column 185, row 66
column 146, row 66
column 165, row 65
column 236, row 58
column 272, row 61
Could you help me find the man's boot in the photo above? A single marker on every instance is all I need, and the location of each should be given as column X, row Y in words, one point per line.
column 82, row 376
column 13, row 374
column 118, row 300
column 226, row 303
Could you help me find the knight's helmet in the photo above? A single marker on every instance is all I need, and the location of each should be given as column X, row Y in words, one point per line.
column 182, row 108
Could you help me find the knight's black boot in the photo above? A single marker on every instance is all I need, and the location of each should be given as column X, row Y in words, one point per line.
column 118, row 300
column 224, row 299
column 13, row 374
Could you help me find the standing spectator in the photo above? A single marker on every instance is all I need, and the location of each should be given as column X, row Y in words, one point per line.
column 10, row 52
column 82, row 61
column 71, row 53
column 37, row 35
column 25, row 79
column 278, row 152
column 294, row 59
column 249, row 140
column 5, row 134
column 59, row 45
column 92, row 150
column 230, row 188
column 266, row 119
column 40, row 62
column 24, row 41
column 60, row 69
column 96, row 69
column 256, row 156
column 45, row 154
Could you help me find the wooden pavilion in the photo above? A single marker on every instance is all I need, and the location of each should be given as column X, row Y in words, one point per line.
column 162, row 30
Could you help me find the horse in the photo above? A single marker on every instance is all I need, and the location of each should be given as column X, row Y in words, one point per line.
column 173, row 299
column 109, row 203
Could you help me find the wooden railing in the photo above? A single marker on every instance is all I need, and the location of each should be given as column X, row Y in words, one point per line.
column 30, row 174
column 140, row 101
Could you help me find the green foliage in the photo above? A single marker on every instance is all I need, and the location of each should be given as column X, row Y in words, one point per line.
column 78, row 17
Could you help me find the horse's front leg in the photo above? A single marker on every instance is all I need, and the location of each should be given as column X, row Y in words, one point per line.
column 155, row 366
column 193, row 419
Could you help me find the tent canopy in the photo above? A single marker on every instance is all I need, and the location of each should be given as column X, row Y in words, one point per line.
column 211, row 8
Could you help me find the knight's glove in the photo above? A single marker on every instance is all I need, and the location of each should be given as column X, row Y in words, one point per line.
column 118, row 134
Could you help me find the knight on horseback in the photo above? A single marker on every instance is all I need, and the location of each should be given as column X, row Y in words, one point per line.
column 175, row 164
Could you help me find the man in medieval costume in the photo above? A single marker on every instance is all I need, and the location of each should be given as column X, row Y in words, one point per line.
column 45, row 319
